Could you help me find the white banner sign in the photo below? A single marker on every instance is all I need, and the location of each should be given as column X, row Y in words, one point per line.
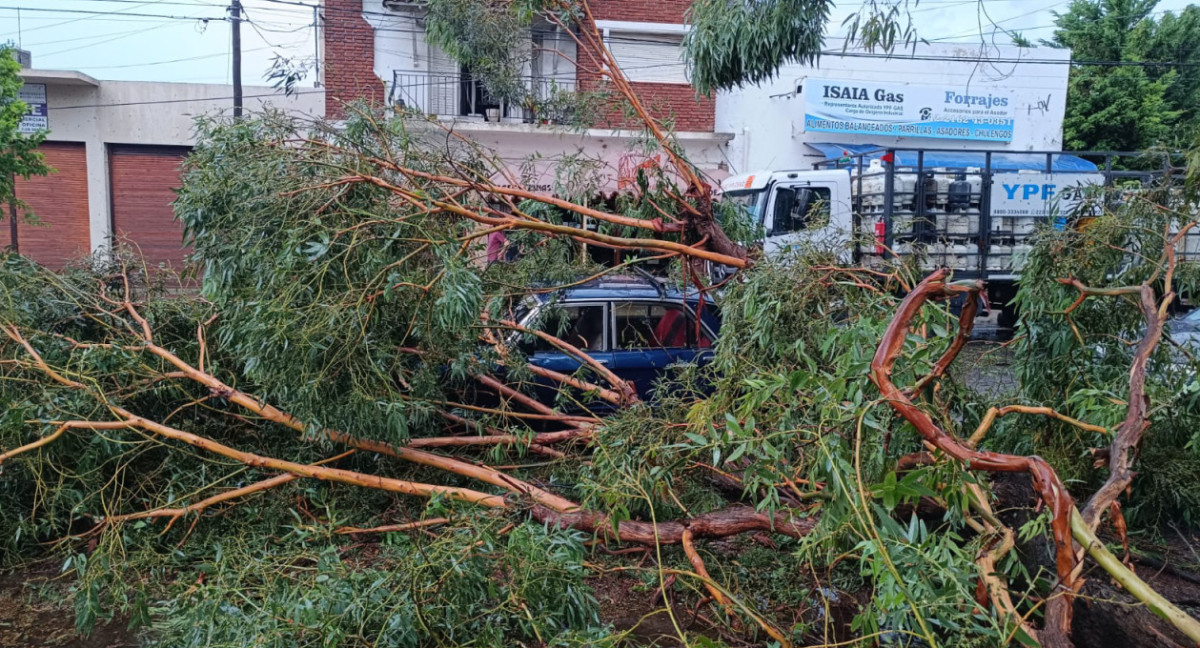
column 903, row 110
column 38, row 117
column 1040, row 195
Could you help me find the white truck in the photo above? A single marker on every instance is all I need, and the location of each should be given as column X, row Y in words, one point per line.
column 970, row 211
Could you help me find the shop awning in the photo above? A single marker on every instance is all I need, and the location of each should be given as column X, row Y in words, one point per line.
column 1001, row 161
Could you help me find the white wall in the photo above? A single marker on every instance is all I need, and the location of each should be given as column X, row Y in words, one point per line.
column 400, row 46
column 99, row 113
column 768, row 120
column 517, row 144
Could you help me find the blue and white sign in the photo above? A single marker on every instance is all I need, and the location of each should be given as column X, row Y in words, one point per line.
column 904, row 110
column 38, row 117
column 1041, row 195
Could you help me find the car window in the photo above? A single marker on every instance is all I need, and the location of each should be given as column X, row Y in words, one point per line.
column 809, row 208
column 653, row 325
column 581, row 326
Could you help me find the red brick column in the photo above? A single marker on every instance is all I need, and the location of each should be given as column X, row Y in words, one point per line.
column 349, row 57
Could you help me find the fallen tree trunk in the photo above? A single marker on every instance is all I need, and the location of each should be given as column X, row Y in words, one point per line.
column 718, row 524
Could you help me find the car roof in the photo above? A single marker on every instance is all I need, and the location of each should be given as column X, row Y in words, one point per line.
column 623, row 286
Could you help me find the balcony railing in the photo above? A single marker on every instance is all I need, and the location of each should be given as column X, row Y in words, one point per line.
column 461, row 96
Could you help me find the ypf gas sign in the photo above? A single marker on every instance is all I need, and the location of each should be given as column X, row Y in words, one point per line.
column 1040, row 195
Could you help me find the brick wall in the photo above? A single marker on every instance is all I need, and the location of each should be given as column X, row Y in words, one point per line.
column 349, row 57
column 661, row 11
column 665, row 100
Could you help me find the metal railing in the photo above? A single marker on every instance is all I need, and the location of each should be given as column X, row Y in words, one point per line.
column 458, row 95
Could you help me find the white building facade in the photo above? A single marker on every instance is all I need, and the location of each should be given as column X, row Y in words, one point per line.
column 117, row 148
column 378, row 50
column 935, row 96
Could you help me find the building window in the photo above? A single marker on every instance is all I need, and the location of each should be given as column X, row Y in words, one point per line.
column 648, row 52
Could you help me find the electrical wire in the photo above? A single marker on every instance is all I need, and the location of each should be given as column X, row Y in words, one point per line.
column 178, row 60
column 618, row 39
column 162, row 3
column 75, row 20
column 109, row 40
column 111, row 13
column 59, row 41
column 177, row 101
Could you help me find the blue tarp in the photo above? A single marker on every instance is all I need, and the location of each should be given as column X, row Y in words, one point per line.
column 958, row 159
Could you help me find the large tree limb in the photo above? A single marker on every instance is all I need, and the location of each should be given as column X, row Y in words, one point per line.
column 311, row 471
column 269, row 412
column 1045, row 480
column 718, row 524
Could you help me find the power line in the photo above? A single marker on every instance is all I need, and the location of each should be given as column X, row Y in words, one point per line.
column 1029, row 61
column 89, row 12
column 73, row 20
column 107, row 40
column 188, row 100
column 163, row 3
column 59, row 41
column 178, row 60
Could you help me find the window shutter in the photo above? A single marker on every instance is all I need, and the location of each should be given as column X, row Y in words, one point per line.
column 649, row 58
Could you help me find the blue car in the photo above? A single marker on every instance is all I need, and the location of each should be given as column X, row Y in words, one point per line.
column 634, row 325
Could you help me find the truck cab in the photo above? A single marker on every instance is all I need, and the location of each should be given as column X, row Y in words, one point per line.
column 796, row 208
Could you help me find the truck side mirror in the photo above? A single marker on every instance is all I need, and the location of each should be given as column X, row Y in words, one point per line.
column 781, row 217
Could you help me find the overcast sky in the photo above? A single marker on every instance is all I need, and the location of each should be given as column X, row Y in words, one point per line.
column 167, row 40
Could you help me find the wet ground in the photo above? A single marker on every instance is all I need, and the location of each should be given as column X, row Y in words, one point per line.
column 36, row 612
column 986, row 362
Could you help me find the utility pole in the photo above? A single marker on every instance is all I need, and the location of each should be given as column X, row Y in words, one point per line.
column 235, row 16
column 317, row 46
column 12, row 216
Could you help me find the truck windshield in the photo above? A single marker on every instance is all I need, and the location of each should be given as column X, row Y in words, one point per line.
column 751, row 201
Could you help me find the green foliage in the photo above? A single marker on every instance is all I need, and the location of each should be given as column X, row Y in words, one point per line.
column 469, row 586
column 736, row 42
column 480, row 36
column 1114, row 107
column 18, row 152
column 358, row 308
column 732, row 43
column 1117, row 109
column 1078, row 364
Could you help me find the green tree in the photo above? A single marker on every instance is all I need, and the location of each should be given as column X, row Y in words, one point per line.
column 1142, row 87
column 1118, row 109
column 18, row 152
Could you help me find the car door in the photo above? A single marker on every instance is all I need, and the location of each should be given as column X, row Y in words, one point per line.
column 651, row 335
column 581, row 324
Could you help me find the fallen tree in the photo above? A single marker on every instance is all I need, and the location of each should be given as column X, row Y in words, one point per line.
column 313, row 413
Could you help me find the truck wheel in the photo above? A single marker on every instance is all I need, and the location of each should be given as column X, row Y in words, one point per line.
column 1008, row 318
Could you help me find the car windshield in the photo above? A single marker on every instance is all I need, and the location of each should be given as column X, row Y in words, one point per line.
column 751, row 201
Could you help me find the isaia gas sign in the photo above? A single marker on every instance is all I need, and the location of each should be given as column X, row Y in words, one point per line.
column 904, row 110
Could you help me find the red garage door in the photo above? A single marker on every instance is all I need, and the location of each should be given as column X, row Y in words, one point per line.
column 144, row 179
column 60, row 202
